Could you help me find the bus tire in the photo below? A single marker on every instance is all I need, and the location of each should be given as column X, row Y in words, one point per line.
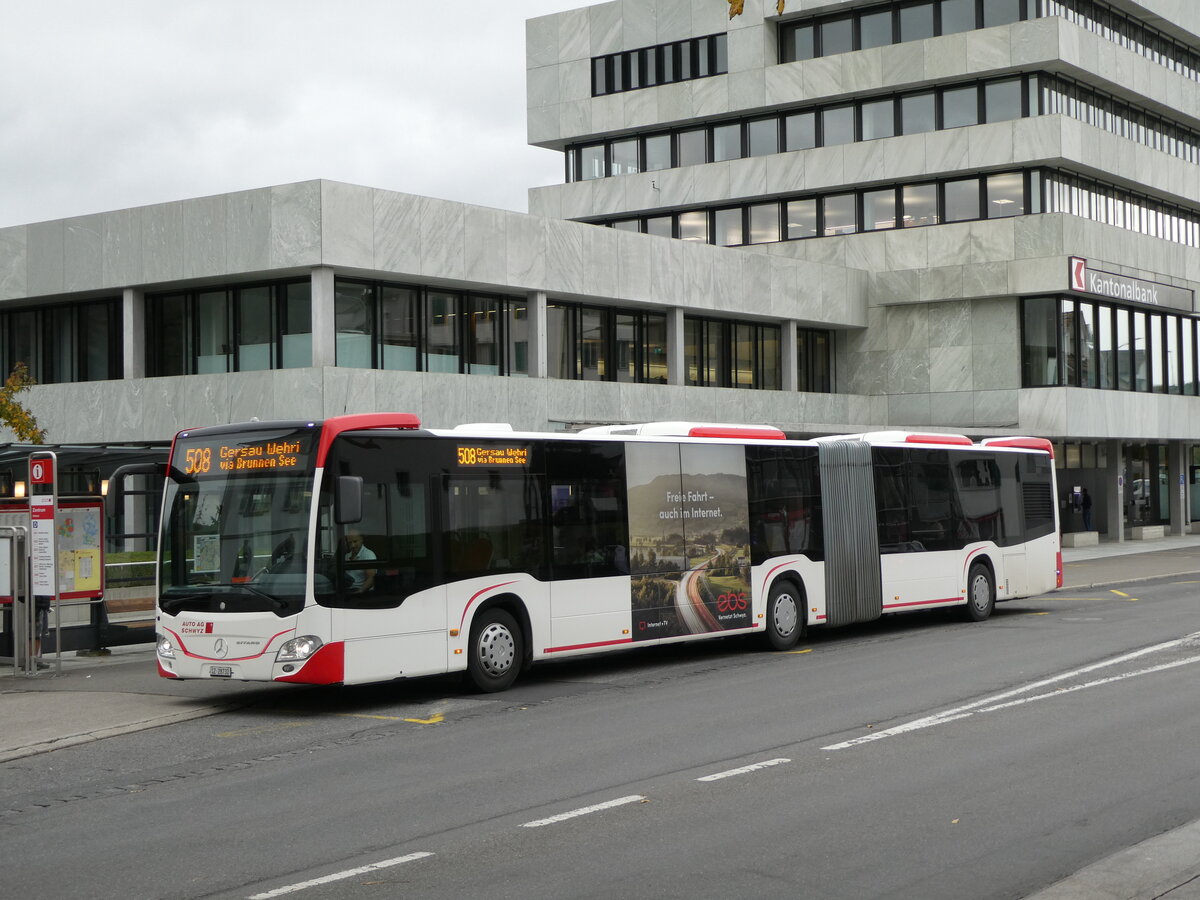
column 495, row 652
column 981, row 593
column 785, row 615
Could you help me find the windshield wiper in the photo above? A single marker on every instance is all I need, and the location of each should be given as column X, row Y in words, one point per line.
column 279, row 604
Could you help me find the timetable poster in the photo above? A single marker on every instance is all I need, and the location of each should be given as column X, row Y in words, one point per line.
column 80, row 563
column 689, row 539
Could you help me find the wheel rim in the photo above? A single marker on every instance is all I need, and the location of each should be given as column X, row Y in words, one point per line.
column 981, row 593
column 784, row 615
column 497, row 649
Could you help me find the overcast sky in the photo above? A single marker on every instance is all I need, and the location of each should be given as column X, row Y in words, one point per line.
column 109, row 105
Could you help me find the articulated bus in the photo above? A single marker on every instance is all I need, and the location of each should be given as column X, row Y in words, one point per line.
column 365, row 548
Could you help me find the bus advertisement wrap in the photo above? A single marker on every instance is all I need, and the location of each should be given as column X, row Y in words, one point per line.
column 689, row 539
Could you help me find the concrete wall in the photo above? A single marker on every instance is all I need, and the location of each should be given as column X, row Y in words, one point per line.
column 156, row 408
column 277, row 231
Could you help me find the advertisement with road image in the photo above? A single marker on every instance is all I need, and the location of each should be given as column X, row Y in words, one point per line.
column 689, row 539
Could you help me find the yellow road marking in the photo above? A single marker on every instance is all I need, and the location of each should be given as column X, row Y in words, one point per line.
column 433, row 720
column 795, row 652
column 1038, row 614
column 261, row 729
column 1119, row 593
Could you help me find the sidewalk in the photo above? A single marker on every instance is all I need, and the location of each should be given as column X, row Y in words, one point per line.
column 102, row 696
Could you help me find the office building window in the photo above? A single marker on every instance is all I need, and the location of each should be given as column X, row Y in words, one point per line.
column 1077, row 342
column 889, row 23
column 991, row 196
column 409, row 328
column 231, row 329
column 592, row 343
column 874, row 26
column 719, row 353
column 63, row 344
column 814, row 361
column 629, row 70
column 993, row 100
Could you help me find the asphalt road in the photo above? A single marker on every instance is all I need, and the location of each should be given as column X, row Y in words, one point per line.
column 917, row 757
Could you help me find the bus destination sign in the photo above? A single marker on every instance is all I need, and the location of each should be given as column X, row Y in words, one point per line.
column 201, row 457
column 471, row 455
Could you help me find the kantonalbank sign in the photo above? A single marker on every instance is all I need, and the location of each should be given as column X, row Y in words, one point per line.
column 1087, row 280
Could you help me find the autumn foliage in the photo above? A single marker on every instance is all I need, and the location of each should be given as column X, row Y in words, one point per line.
column 736, row 7
column 12, row 413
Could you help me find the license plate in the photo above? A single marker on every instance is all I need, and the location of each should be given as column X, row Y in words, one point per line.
column 220, row 671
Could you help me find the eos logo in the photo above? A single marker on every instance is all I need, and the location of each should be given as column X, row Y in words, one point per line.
column 731, row 602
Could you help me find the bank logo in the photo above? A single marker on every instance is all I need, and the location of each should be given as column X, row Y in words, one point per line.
column 1078, row 274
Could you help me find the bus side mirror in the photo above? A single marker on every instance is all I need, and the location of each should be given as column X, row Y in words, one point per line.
column 347, row 499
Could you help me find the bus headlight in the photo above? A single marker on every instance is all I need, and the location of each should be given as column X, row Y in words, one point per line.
column 165, row 648
column 298, row 649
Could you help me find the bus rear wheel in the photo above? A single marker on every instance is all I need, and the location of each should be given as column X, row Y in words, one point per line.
column 495, row 651
column 981, row 594
column 785, row 616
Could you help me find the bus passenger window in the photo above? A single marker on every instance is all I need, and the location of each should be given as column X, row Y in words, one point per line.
column 589, row 523
column 493, row 523
column 785, row 502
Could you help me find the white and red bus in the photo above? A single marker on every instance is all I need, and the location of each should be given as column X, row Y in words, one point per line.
column 365, row 548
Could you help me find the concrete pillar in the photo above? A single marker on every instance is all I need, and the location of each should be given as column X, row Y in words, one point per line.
column 1177, row 504
column 538, row 362
column 1114, row 511
column 133, row 329
column 787, row 347
column 676, row 370
column 324, row 322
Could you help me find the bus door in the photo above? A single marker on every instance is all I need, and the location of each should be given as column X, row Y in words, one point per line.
column 381, row 575
column 587, row 536
column 492, row 531
column 989, row 495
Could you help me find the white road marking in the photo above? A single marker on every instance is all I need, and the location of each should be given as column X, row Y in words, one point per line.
column 744, row 770
column 562, row 817
column 338, row 876
column 1090, row 684
column 989, row 704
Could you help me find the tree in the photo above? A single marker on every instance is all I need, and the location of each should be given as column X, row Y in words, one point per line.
column 15, row 415
column 736, row 7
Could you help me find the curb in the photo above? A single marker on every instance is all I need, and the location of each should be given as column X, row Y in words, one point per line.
column 1140, row 580
column 1137, row 873
column 87, row 737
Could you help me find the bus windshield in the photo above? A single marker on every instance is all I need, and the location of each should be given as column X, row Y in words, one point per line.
column 235, row 536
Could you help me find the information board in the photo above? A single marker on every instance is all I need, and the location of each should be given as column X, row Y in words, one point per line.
column 41, row 546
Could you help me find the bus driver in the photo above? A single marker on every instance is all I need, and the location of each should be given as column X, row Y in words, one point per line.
column 361, row 580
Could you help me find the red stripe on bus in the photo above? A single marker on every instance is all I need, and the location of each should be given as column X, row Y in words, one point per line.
column 326, row 666
column 588, row 646
column 477, row 595
column 737, row 432
column 967, row 561
column 923, row 602
column 767, row 577
column 163, row 672
column 186, row 652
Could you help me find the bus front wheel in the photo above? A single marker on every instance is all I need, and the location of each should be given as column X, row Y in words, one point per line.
column 785, row 616
column 981, row 594
column 495, row 652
